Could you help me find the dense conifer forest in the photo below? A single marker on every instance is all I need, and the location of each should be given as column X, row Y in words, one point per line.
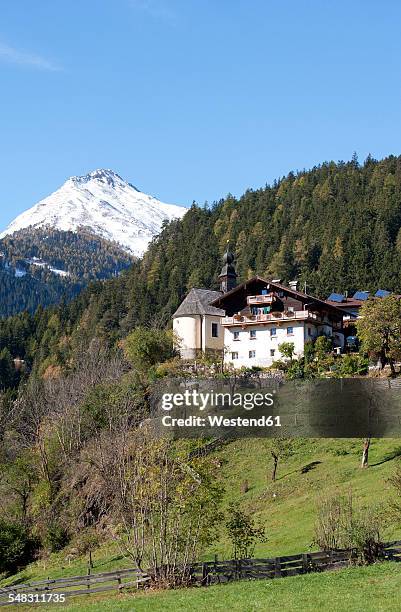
column 336, row 227
column 41, row 266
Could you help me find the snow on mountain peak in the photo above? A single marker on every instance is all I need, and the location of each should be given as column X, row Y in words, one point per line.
column 102, row 175
column 104, row 204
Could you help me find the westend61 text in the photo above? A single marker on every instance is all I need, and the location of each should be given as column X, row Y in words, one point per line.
column 221, row 421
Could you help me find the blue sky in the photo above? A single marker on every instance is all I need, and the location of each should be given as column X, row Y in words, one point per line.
column 192, row 99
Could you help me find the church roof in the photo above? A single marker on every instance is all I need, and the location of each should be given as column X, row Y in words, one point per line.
column 197, row 302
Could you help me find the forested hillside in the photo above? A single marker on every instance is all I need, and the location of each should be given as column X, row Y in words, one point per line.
column 335, row 227
column 71, row 428
column 42, row 266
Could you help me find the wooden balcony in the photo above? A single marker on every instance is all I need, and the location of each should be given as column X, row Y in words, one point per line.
column 260, row 299
column 275, row 317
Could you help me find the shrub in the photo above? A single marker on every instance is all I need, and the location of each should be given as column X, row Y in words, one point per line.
column 296, row 369
column 165, row 506
column 287, row 349
column 395, row 503
column 243, row 533
column 16, row 546
column 340, row 524
column 351, row 365
column 323, row 346
column 56, row 538
column 309, row 351
column 172, row 367
column 145, row 348
column 279, row 365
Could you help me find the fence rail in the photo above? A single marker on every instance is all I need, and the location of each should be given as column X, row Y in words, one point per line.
column 75, row 585
column 209, row 572
column 212, row 572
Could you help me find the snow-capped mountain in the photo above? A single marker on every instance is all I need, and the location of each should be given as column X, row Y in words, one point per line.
column 102, row 203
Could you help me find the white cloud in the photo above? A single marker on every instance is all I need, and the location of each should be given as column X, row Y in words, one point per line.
column 158, row 9
column 23, row 58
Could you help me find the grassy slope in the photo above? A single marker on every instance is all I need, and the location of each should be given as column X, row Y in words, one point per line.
column 287, row 508
column 372, row 589
column 289, row 516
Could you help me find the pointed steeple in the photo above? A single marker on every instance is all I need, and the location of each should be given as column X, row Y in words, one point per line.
column 228, row 275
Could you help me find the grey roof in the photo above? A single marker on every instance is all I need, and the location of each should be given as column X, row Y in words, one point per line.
column 197, row 302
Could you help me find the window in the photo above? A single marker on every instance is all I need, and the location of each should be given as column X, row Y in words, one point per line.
column 252, row 354
column 273, row 331
column 252, row 334
column 234, row 356
column 290, row 331
column 309, row 331
column 272, row 351
column 236, row 335
column 215, row 330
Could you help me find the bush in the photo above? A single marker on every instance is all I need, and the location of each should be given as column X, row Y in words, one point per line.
column 172, row 367
column 309, row 351
column 279, row 365
column 340, row 524
column 243, row 533
column 352, row 365
column 296, row 370
column 287, row 349
column 56, row 538
column 323, row 346
column 145, row 348
column 16, row 546
column 94, row 407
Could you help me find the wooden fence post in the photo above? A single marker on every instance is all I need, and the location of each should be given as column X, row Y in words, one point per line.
column 305, row 563
column 277, row 567
column 204, row 574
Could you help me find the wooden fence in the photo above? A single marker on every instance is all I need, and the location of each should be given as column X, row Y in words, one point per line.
column 73, row 585
column 214, row 572
column 210, row 572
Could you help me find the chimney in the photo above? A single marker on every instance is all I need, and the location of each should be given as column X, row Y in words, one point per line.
column 293, row 285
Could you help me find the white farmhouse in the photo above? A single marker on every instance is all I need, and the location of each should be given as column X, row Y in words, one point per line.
column 247, row 323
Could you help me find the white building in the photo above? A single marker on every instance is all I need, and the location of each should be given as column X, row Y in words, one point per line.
column 252, row 319
column 197, row 324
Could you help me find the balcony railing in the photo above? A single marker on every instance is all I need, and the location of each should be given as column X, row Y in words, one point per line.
column 276, row 317
column 260, row 299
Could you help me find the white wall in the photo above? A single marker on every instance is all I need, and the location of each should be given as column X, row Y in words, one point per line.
column 263, row 343
column 188, row 332
column 210, row 343
column 195, row 333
